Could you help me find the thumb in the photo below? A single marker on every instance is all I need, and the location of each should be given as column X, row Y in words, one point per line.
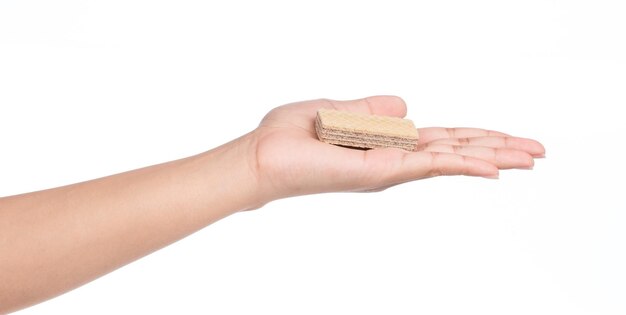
column 385, row 105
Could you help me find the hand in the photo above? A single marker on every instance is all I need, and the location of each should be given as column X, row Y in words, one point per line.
column 290, row 160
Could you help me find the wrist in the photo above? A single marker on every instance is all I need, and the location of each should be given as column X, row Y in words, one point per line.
column 231, row 172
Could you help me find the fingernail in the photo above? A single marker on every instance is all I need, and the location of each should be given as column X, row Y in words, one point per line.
column 540, row 156
column 526, row 168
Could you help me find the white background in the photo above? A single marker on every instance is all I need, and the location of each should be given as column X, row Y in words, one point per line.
column 91, row 88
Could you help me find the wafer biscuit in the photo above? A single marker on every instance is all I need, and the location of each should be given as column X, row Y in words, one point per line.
column 365, row 131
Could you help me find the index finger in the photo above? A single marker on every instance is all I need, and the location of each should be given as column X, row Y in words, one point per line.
column 434, row 133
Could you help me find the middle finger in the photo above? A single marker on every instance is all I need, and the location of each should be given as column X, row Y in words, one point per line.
column 529, row 146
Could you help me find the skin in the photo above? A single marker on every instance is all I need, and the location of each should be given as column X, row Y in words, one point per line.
column 55, row 240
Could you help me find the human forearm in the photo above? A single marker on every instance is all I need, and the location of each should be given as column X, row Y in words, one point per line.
column 55, row 240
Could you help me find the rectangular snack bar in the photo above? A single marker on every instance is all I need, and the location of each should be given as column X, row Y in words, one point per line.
column 365, row 131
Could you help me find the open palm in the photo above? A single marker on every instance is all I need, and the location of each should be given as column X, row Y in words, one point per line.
column 290, row 160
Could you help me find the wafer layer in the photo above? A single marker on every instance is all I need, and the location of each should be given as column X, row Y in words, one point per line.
column 365, row 131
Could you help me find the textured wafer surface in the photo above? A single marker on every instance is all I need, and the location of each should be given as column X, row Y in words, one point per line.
column 365, row 131
column 369, row 124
